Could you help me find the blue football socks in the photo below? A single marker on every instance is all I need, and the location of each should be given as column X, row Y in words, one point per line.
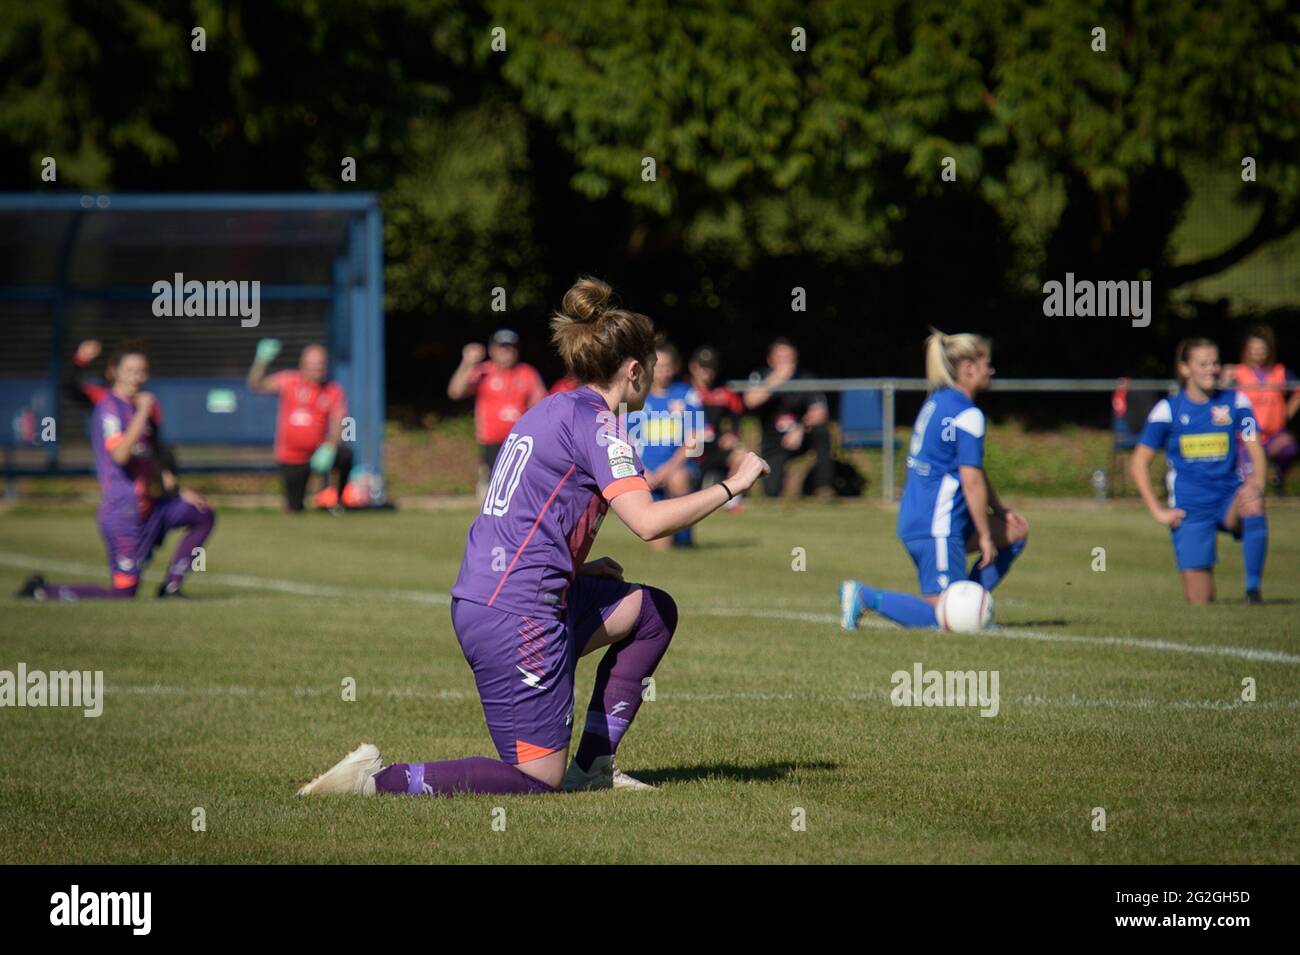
column 901, row 608
column 1254, row 548
column 992, row 575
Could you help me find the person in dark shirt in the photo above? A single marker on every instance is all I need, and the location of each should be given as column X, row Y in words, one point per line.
column 794, row 422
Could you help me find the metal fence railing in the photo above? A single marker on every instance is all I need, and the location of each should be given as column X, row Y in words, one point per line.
column 890, row 387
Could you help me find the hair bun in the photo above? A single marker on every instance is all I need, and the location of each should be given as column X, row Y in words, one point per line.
column 588, row 300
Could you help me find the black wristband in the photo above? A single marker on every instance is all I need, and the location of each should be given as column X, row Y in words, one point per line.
column 727, row 489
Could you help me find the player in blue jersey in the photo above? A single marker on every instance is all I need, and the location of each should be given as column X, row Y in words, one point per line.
column 1199, row 430
column 949, row 507
column 667, row 427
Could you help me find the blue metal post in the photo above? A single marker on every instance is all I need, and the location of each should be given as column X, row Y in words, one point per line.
column 355, row 338
column 887, row 442
column 56, row 335
column 376, row 385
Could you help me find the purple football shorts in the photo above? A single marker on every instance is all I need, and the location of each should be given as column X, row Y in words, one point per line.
column 524, row 666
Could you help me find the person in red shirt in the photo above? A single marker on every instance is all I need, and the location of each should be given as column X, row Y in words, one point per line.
column 309, row 425
column 503, row 388
column 567, row 383
column 722, row 411
column 1274, row 393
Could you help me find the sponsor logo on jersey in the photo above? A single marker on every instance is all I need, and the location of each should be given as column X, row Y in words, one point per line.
column 1203, row 447
column 1221, row 414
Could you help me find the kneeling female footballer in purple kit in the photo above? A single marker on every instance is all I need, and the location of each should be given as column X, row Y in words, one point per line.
column 527, row 603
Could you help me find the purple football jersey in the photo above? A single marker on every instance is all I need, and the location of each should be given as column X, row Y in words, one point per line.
column 555, row 474
column 126, row 488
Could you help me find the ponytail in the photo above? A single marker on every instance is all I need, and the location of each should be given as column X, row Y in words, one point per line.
column 595, row 337
column 944, row 352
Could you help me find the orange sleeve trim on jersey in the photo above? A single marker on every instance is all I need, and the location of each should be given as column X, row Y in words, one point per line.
column 113, row 441
column 623, row 485
column 527, row 752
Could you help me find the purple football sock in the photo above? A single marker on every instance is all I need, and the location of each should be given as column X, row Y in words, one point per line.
column 85, row 592
column 617, row 694
column 199, row 525
column 474, row 774
column 1284, row 456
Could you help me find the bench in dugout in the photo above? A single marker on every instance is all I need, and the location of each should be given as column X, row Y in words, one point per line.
column 216, row 424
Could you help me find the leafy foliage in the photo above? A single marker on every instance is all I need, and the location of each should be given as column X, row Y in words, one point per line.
column 775, row 165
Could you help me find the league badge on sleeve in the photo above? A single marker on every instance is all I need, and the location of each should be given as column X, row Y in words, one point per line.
column 622, row 464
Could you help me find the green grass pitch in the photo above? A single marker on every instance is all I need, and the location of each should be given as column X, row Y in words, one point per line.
column 1113, row 695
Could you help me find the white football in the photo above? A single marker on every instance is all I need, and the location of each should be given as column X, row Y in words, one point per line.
column 964, row 607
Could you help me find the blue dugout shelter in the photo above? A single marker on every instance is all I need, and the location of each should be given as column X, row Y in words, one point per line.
column 85, row 266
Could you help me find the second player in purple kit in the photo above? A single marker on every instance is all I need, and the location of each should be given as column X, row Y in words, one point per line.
column 528, row 604
column 133, row 519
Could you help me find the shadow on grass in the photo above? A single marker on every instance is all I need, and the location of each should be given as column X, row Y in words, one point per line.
column 1058, row 622
column 763, row 773
column 734, row 543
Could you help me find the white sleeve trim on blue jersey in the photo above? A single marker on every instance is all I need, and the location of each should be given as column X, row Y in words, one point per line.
column 971, row 421
column 1162, row 412
column 1244, row 402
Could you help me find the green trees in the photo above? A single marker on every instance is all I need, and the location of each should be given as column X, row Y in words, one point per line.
column 767, row 151
column 786, row 136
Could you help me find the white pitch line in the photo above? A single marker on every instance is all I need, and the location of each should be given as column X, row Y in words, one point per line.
column 1021, row 633
column 437, row 599
column 241, row 581
column 863, row 696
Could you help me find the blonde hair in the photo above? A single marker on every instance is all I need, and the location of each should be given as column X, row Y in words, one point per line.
column 944, row 352
column 595, row 337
